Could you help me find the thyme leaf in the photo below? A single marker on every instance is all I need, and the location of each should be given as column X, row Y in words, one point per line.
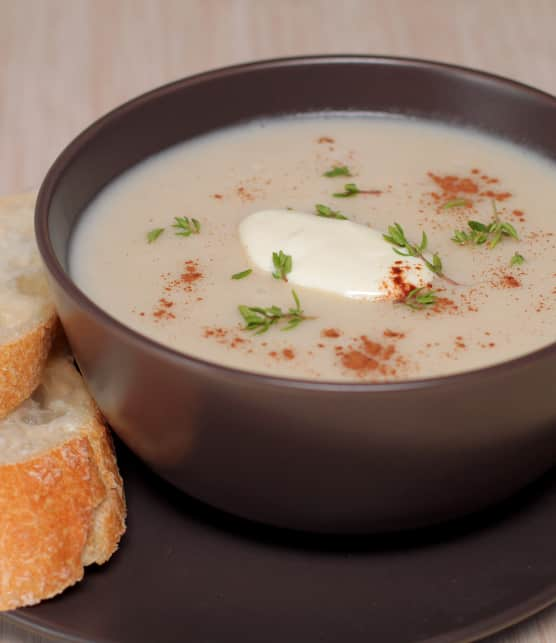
column 350, row 189
column 153, row 234
column 186, row 226
column 420, row 298
column 517, row 259
column 242, row 274
column 455, row 203
column 283, row 264
column 325, row 211
column 338, row 170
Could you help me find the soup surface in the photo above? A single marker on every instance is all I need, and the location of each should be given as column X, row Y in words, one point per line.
column 491, row 299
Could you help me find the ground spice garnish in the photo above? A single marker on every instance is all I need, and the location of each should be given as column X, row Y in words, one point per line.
column 501, row 279
column 489, row 179
column 162, row 310
column 371, row 348
column 466, row 188
column 509, row 281
column 358, row 361
column 453, row 186
column 216, row 332
column 217, row 196
column 244, row 194
column 392, row 334
column 286, row 353
column 325, row 139
column 173, row 285
column 397, row 286
column 191, row 273
column 186, row 280
column 366, row 356
column 330, row 332
column 497, row 196
column 227, row 337
column 443, row 305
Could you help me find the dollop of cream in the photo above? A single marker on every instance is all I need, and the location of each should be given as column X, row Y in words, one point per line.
column 332, row 255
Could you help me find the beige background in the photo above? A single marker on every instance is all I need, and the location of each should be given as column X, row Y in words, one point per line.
column 63, row 63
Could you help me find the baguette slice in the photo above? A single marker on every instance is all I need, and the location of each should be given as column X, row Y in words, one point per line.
column 27, row 315
column 62, row 505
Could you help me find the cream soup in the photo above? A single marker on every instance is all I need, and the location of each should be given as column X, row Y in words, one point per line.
column 158, row 248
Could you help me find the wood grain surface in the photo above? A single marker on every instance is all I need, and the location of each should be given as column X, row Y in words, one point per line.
column 63, row 63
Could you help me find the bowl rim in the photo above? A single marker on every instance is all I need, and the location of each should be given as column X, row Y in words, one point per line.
column 72, row 149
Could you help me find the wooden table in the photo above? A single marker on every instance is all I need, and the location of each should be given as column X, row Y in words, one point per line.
column 63, row 63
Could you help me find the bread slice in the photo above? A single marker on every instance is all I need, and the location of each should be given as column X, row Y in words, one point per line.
column 62, row 505
column 27, row 316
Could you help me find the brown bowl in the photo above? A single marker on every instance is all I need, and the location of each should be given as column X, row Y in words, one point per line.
column 299, row 454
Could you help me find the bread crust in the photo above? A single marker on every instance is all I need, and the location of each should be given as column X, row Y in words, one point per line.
column 59, row 512
column 22, row 360
column 61, row 508
column 22, row 363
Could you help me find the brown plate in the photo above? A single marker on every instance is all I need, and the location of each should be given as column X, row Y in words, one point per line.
column 188, row 573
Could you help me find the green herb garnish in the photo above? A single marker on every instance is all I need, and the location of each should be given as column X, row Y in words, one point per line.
column 477, row 236
column 500, row 229
column 517, row 259
column 491, row 233
column 242, row 274
column 283, row 264
column 261, row 319
column 420, row 298
column 338, row 170
column 186, row 226
column 350, row 189
column 325, row 211
column 396, row 236
column 154, row 234
column 455, row 203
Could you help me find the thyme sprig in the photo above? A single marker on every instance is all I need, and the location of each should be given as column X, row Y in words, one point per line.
column 420, row 298
column 338, row 170
column 351, row 189
column 486, row 233
column 283, row 265
column 261, row 319
column 329, row 213
column 186, row 226
column 396, row 236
